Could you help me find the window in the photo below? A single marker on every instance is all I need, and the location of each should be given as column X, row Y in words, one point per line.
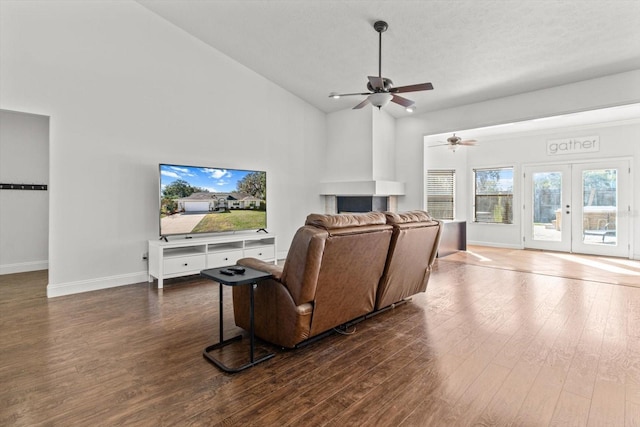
column 493, row 195
column 441, row 186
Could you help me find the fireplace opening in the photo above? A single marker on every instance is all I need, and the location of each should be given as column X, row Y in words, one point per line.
column 362, row 204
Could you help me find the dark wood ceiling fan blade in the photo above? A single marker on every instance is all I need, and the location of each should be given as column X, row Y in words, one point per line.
column 402, row 101
column 362, row 104
column 334, row 95
column 412, row 88
column 376, row 82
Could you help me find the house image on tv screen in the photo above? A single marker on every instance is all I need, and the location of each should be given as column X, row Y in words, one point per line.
column 212, row 202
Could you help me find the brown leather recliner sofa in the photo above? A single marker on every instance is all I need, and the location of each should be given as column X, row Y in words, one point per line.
column 339, row 268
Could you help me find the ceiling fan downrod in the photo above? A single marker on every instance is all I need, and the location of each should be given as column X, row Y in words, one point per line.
column 380, row 27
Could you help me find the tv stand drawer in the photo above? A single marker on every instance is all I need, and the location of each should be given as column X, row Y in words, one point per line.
column 264, row 252
column 223, row 259
column 184, row 264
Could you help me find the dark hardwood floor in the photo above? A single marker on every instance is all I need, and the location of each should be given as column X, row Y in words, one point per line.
column 483, row 346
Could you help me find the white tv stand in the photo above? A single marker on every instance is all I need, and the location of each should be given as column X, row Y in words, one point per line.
column 184, row 257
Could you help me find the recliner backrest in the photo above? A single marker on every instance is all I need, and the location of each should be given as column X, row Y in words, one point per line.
column 302, row 265
column 335, row 262
column 412, row 252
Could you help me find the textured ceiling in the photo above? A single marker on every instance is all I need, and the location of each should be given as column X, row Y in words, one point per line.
column 471, row 50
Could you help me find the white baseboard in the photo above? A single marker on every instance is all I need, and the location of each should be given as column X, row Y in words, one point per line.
column 60, row 289
column 494, row 245
column 23, row 267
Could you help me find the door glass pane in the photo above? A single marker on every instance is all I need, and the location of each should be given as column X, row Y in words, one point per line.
column 547, row 206
column 600, row 206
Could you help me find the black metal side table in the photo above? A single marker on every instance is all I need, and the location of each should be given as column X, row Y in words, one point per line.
column 250, row 277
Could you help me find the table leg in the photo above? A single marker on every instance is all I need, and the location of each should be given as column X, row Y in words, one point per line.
column 220, row 312
column 251, row 328
column 222, row 342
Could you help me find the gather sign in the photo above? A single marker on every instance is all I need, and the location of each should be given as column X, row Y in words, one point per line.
column 585, row 144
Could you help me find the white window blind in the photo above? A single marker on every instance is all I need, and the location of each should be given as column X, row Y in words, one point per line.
column 441, row 186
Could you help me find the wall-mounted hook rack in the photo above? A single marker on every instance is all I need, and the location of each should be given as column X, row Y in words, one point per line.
column 23, row 187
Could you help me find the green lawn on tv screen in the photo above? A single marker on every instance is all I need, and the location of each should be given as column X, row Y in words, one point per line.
column 232, row 220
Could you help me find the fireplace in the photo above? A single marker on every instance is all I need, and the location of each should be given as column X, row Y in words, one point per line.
column 343, row 204
column 361, row 196
column 362, row 204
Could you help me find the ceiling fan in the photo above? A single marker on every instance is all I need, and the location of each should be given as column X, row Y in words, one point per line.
column 381, row 90
column 455, row 141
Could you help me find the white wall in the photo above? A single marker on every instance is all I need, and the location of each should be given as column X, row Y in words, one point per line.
column 349, row 137
column 125, row 91
column 384, row 145
column 603, row 92
column 617, row 140
column 360, row 145
column 24, row 214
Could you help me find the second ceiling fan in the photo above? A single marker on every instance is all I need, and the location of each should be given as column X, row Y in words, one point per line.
column 455, row 141
column 381, row 89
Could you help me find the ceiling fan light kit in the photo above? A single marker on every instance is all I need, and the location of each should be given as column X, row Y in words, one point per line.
column 381, row 90
column 380, row 99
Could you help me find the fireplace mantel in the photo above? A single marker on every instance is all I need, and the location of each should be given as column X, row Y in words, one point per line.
column 362, row 188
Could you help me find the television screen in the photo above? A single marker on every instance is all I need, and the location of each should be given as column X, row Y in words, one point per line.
column 197, row 199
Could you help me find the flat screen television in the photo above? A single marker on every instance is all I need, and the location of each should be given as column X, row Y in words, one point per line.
column 196, row 199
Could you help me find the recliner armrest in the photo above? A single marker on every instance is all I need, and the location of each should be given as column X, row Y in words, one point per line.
column 258, row 264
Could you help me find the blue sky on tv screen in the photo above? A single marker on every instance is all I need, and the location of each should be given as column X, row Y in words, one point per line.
column 214, row 180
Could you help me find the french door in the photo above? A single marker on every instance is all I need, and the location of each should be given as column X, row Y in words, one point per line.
column 579, row 207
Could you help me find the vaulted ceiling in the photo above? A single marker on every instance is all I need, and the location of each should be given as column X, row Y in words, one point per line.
column 471, row 50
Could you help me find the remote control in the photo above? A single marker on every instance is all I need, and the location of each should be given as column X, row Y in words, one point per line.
column 226, row 272
column 238, row 270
